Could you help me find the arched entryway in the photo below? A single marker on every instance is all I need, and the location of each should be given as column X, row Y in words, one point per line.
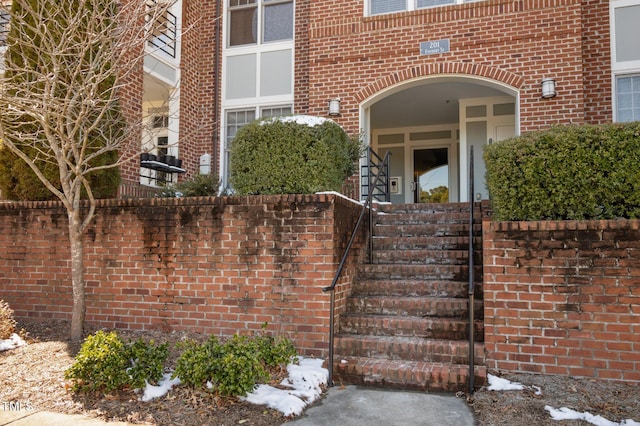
column 429, row 124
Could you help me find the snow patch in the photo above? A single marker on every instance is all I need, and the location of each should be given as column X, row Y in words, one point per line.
column 304, row 385
column 500, row 384
column 307, row 120
column 14, row 341
column 565, row 413
column 164, row 386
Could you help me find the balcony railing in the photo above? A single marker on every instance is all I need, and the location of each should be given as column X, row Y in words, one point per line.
column 4, row 26
column 163, row 32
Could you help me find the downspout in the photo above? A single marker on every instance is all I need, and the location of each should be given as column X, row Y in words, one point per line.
column 216, row 91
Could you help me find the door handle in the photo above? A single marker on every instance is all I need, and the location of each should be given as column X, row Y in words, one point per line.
column 412, row 186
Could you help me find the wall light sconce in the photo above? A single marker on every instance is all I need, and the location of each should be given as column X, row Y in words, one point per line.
column 548, row 88
column 334, row 107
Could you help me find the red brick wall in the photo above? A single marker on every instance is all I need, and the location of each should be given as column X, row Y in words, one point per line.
column 563, row 297
column 214, row 265
column 199, row 85
column 517, row 43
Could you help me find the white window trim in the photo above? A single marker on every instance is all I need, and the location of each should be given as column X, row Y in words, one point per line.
column 622, row 69
column 411, row 5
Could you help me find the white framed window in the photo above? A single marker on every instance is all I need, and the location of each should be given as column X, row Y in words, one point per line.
column 259, row 21
column 625, row 58
column 381, row 7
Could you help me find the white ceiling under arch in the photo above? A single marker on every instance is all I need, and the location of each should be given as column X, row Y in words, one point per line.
column 427, row 104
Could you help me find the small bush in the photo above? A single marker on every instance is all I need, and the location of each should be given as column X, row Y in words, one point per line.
column 147, row 362
column 287, row 156
column 197, row 186
column 566, row 173
column 235, row 366
column 105, row 364
column 7, row 323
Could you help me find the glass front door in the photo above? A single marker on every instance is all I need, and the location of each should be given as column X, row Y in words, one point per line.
column 431, row 175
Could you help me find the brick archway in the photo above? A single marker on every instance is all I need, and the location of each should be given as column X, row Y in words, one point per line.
column 442, row 68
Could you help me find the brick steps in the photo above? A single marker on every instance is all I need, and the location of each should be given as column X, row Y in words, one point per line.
column 421, row 256
column 406, row 322
column 423, row 376
column 444, row 307
column 409, row 326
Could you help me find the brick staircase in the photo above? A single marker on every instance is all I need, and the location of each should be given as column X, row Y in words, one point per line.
column 406, row 322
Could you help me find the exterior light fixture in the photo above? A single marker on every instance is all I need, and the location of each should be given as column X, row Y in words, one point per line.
column 548, row 88
column 334, row 107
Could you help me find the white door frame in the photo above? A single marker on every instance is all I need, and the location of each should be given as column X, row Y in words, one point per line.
column 493, row 123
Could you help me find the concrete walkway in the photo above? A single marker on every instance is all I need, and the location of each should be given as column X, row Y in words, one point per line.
column 340, row 406
column 358, row 406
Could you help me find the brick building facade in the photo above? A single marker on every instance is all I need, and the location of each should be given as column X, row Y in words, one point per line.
column 425, row 80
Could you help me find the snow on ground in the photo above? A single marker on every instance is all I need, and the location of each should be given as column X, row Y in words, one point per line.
column 563, row 413
column 164, row 386
column 500, row 384
column 11, row 343
column 304, row 385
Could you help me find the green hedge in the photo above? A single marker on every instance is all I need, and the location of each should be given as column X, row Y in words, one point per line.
column 566, row 172
column 286, row 156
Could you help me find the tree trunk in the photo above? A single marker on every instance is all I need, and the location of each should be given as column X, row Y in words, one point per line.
column 77, row 275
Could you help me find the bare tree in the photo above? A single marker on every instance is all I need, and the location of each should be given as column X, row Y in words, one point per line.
column 66, row 67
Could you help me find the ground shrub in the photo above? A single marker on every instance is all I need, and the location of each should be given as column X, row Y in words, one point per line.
column 197, row 186
column 235, row 366
column 7, row 323
column 105, row 363
column 566, row 173
column 289, row 155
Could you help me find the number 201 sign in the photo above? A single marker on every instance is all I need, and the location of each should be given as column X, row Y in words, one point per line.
column 434, row 46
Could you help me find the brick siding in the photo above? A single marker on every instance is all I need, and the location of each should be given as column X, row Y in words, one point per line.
column 563, row 298
column 352, row 56
column 214, row 265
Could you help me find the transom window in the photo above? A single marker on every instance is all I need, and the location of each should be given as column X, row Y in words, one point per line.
column 260, row 21
column 379, row 7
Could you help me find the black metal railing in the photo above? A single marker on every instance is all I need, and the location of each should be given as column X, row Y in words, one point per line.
column 5, row 18
column 373, row 181
column 163, row 31
column 471, row 277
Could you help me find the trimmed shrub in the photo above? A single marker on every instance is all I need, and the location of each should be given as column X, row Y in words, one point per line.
column 292, row 155
column 235, row 366
column 105, row 363
column 197, row 186
column 7, row 323
column 566, row 173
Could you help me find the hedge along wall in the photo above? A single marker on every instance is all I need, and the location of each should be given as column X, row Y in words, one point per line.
column 214, row 265
column 563, row 297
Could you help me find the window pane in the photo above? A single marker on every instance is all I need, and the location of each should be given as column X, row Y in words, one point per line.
column 275, row 112
column 628, row 98
column 278, row 22
column 276, row 75
column 627, row 33
column 386, row 6
column 241, row 77
column 432, row 3
column 233, row 3
column 243, row 27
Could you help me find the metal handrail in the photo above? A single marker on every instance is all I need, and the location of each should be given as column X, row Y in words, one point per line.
column 471, row 277
column 383, row 170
